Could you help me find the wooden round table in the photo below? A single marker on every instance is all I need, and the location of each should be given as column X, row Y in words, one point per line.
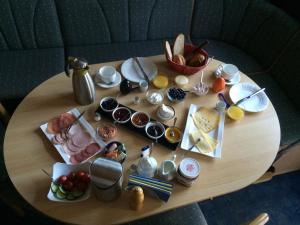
column 249, row 148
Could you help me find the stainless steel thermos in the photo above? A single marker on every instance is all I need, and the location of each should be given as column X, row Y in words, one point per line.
column 83, row 85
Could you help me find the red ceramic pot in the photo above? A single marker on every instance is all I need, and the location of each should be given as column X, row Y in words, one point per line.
column 188, row 70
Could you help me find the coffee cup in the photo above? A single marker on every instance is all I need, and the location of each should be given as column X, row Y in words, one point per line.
column 228, row 71
column 107, row 74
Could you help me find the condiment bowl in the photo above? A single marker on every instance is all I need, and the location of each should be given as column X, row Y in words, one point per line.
column 177, row 134
column 107, row 104
column 157, row 125
column 140, row 116
column 118, row 117
column 151, row 97
column 171, row 98
column 161, row 116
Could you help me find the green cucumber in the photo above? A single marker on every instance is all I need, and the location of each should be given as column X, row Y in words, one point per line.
column 54, row 187
column 60, row 195
column 70, row 196
column 62, row 190
column 77, row 194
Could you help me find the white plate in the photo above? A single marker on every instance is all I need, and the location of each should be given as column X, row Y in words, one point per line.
column 100, row 83
column 64, row 169
column 86, row 126
column 187, row 143
column 131, row 71
column 257, row 103
column 235, row 80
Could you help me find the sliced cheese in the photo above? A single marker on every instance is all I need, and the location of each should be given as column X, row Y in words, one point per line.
column 206, row 144
column 206, row 119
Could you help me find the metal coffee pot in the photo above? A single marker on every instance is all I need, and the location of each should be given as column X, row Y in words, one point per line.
column 83, row 85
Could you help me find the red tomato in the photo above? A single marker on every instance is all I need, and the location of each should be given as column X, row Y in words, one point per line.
column 68, row 185
column 80, row 175
column 81, row 186
column 62, row 179
column 86, row 178
column 72, row 176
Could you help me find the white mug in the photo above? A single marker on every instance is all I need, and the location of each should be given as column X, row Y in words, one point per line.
column 107, row 74
column 228, row 71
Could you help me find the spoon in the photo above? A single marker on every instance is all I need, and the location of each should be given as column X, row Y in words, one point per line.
column 172, row 134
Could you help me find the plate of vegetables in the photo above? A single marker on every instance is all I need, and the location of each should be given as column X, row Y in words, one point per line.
column 70, row 183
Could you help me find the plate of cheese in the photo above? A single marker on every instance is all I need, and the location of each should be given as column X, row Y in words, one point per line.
column 204, row 131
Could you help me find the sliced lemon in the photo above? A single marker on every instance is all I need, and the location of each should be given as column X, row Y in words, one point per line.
column 161, row 81
column 235, row 113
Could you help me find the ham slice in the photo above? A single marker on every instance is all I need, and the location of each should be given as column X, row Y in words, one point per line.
column 60, row 123
column 81, row 139
column 92, row 148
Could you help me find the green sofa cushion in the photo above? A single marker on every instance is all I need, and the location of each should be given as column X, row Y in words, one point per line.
column 116, row 51
column 287, row 70
column 189, row 215
column 230, row 54
column 29, row 24
column 264, row 32
column 288, row 114
column 113, row 21
column 26, row 69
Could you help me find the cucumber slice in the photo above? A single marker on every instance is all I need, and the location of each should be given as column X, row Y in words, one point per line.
column 54, row 187
column 62, row 190
column 77, row 194
column 70, row 196
column 60, row 195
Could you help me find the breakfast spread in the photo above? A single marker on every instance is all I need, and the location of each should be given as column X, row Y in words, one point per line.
column 107, row 132
column 161, row 81
column 181, row 81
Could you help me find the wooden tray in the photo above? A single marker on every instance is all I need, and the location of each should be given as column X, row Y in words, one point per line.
column 163, row 141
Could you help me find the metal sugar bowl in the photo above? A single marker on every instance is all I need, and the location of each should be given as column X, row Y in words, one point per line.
column 107, row 178
column 83, row 85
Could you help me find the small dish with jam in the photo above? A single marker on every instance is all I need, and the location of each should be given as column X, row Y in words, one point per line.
column 173, row 134
column 140, row 119
column 121, row 115
column 109, row 104
column 155, row 130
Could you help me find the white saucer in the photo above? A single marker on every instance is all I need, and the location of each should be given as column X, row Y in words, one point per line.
column 100, row 83
column 235, row 80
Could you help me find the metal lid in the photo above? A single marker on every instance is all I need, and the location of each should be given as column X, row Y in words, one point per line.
column 79, row 63
column 189, row 168
column 105, row 172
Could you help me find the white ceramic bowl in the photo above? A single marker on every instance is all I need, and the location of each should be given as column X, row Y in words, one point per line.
column 105, row 99
column 155, row 124
column 139, row 126
column 122, row 121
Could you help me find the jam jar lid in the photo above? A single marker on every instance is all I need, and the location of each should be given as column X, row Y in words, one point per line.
column 189, row 168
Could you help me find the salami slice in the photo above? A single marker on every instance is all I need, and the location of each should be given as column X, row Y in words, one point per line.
column 92, row 148
column 79, row 157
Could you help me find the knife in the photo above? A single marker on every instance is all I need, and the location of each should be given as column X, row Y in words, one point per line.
column 141, row 68
column 248, row 97
column 75, row 121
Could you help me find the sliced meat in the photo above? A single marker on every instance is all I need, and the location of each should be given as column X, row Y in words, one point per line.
column 81, row 139
column 53, row 126
column 85, row 154
column 73, row 159
column 72, row 148
column 92, row 148
column 79, row 158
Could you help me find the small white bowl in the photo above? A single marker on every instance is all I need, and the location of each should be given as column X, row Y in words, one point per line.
column 105, row 99
column 123, row 121
column 165, row 118
column 151, row 92
column 150, row 124
column 139, row 126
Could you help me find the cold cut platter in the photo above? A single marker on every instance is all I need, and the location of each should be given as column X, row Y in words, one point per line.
column 75, row 143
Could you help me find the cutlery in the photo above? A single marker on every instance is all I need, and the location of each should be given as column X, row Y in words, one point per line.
column 172, row 134
column 141, row 68
column 249, row 96
column 75, row 121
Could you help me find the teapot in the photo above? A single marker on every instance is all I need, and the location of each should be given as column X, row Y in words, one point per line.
column 83, row 85
column 167, row 169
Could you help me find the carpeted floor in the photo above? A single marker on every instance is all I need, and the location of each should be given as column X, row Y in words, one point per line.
column 280, row 198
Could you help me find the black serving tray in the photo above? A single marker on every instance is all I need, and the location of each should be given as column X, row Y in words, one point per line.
column 163, row 141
